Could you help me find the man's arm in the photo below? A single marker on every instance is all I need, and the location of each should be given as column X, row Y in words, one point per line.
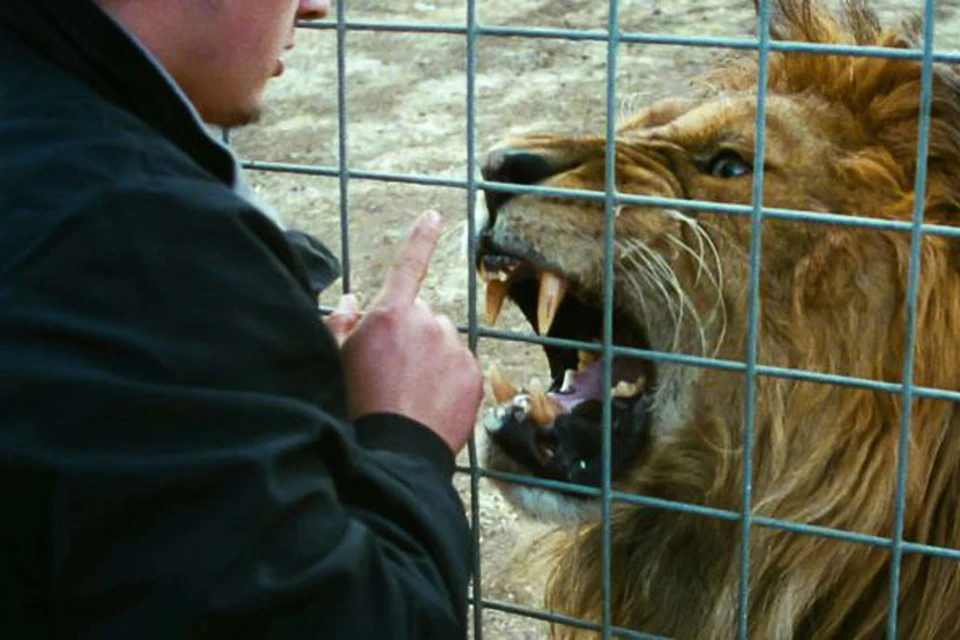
column 174, row 387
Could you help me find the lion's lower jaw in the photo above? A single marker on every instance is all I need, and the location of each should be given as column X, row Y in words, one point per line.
column 549, row 506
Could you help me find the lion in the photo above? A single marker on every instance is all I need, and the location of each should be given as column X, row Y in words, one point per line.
column 841, row 138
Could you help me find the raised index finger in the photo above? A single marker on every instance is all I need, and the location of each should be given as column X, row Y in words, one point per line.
column 410, row 266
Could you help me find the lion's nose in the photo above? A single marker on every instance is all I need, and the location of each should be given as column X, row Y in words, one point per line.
column 515, row 167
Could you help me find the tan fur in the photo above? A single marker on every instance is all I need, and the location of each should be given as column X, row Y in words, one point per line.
column 842, row 137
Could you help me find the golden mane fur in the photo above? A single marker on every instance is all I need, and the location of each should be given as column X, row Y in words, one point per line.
column 842, row 139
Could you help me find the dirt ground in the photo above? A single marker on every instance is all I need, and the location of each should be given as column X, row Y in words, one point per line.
column 406, row 113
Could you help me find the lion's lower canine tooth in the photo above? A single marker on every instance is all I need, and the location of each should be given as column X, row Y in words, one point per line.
column 494, row 420
column 552, row 290
column 624, row 389
column 496, row 294
column 503, row 389
column 567, row 385
column 542, row 410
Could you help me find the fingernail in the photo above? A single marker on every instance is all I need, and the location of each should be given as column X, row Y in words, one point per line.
column 432, row 218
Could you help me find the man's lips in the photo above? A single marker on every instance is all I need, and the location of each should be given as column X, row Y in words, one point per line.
column 278, row 69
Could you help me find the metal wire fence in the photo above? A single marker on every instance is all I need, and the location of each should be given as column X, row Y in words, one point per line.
column 763, row 44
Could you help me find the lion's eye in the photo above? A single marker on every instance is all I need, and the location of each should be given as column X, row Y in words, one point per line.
column 728, row 164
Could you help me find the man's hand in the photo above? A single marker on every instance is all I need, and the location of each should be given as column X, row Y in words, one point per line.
column 402, row 358
column 345, row 318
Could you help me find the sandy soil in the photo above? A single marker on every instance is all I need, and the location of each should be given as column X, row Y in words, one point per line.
column 406, row 105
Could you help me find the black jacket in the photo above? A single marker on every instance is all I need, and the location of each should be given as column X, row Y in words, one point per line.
column 175, row 460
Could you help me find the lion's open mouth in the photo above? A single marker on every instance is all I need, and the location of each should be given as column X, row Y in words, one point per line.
column 557, row 433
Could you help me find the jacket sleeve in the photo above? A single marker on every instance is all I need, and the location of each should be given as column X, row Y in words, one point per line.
column 178, row 410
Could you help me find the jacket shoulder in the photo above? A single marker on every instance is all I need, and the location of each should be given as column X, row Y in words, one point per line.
column 59, row 137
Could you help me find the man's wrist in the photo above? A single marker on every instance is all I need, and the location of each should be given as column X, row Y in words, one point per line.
column 400, row 434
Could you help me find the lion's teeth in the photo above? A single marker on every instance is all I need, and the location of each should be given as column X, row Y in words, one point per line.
column 567, row 385
column 494, row 276
column 542, row 410
column 496, row 294
column 503, row 389
column 624, row 389
column 585, row 359
column 495, row 420
column 552, row 290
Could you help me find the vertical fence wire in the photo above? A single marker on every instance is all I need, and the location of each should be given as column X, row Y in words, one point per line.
column 342, row 165
column 472, row 307
column 916, row 246
column 753, row 319
column 610, row 210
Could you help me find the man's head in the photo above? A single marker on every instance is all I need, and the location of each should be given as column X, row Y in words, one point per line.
column 220, row 52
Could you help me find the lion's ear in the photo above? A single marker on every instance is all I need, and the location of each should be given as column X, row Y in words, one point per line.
column 780, row 28
column 808, row 20
column 782, row 22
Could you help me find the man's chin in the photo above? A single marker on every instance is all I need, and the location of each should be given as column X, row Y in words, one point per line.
column 238, row 119
column 233, row 118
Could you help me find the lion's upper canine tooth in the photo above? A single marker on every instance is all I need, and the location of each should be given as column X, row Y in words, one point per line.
column 585, row 359
column 503, row 389
column 552, row 290
column 496, row 294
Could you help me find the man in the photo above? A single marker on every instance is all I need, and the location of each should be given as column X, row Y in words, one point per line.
column 185, row 450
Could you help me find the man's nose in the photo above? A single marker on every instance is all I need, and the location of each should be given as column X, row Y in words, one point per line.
column 313, row 9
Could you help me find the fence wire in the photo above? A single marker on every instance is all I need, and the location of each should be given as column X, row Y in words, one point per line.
column 472, row 31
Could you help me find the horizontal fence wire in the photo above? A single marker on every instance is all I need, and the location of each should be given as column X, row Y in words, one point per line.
column 790, row 526
column 597, row 35
column 568, row 621
column 610, row 198
column 773, row 213
column 703, row 362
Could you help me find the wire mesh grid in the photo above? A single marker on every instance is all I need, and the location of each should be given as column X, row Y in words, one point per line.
column 757, row 213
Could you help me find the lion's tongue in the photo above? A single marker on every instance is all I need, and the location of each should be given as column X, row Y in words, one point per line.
column 580, row 387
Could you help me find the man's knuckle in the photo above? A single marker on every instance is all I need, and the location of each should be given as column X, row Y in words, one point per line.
column 386, row 318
